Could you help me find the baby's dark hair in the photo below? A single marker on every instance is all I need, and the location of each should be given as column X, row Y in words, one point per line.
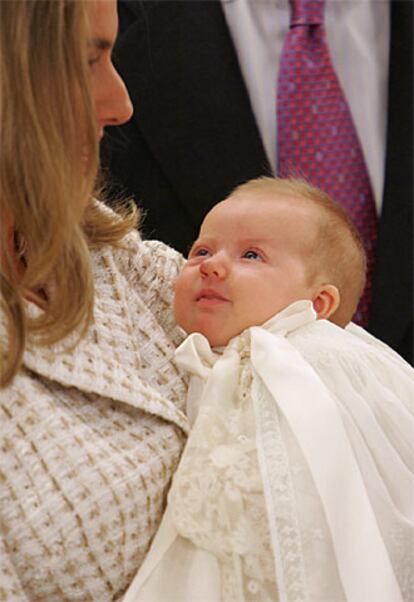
column 339, row 251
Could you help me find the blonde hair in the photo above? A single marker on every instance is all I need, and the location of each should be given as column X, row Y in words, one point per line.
column 339, row 251
column 48, row 166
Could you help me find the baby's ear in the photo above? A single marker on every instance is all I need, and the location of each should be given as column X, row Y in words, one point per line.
column 326, row 301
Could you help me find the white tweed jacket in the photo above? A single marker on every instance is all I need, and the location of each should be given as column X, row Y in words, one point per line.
column 90, row 434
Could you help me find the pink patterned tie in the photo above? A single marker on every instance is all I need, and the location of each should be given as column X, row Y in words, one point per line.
column 317, row 139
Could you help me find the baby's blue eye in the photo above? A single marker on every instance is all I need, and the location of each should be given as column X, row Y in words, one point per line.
column 252, row 255
column 201, row 252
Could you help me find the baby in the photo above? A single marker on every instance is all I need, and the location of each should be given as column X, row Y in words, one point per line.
column 270, row 243
column 297, row 479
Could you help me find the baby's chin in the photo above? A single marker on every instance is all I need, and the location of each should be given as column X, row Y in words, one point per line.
column 215, row 339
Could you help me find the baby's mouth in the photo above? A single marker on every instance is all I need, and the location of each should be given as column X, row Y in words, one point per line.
column 209, row 295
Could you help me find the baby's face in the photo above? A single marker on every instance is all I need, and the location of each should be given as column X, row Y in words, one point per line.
column 250, row 261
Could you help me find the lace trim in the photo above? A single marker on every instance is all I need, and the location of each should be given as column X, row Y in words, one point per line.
column 279, row 497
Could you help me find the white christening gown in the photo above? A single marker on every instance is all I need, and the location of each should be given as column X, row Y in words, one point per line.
column 296, row 483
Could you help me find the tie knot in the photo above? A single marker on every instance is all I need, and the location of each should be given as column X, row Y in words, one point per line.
column 306, row 12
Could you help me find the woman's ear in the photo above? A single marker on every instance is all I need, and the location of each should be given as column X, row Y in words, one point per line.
column 326, row 301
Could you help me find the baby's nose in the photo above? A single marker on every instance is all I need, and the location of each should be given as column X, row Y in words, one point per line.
column 216, row 265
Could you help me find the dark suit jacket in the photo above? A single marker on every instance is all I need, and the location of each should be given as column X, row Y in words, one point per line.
column 193, row 137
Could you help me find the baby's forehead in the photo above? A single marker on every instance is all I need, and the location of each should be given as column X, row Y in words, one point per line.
column 252, row 204
column 262, row 218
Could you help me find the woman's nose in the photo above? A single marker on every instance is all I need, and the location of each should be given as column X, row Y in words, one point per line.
column 217, row 266
column 112, row 103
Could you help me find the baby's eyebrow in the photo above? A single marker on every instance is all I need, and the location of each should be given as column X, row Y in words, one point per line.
column 257, row 241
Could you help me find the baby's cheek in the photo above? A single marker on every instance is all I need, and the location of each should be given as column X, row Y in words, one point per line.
column 182, row 300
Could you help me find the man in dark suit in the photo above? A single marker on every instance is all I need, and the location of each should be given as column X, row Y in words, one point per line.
column 194, row 137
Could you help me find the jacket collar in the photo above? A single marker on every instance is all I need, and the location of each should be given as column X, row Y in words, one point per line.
column 107, row 361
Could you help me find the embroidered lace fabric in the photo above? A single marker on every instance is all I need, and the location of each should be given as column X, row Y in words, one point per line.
column 217, row 500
